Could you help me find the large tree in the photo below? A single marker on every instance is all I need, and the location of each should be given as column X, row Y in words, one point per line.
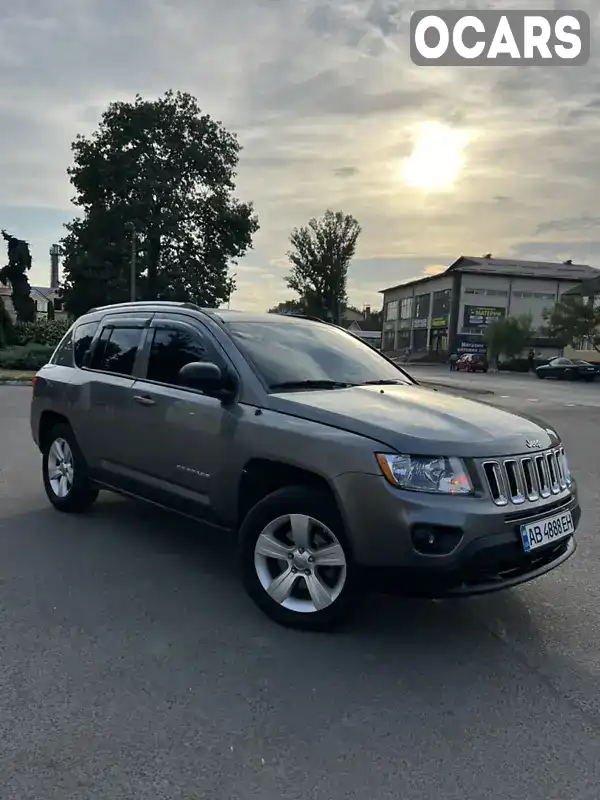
column 320, row 256
column 165, row 171
column 574, row 319
column 15, row 274
column 508, row 336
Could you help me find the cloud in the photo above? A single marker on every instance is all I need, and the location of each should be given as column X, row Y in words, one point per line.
column 326, row 102
column 435, row 269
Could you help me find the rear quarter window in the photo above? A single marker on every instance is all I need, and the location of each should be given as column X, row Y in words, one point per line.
column 63, row 355
column 83, row 337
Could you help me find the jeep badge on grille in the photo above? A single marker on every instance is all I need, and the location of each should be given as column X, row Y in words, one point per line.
column 533, row 444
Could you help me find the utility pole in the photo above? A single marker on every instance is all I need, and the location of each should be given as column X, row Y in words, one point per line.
column 130, row 227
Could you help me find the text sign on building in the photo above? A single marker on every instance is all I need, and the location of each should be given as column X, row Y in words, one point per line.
column 467, row 346
column 452, row 38
column 439, row 322
column 480, row 316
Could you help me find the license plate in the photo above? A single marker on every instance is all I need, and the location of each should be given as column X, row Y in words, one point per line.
column 546, row 531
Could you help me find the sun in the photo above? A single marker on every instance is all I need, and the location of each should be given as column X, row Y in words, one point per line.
column 436, row 160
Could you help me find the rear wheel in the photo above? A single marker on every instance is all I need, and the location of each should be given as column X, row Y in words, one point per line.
column 296, row 560
column 65, row 472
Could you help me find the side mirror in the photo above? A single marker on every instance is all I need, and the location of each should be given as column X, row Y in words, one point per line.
column 207, row 377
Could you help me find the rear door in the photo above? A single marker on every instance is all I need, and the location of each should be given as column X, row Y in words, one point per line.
column 105, row 405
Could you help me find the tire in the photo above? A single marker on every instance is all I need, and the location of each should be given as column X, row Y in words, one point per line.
column 540, row 375
column 73, row 492
column 317, row 521
column 569, row 375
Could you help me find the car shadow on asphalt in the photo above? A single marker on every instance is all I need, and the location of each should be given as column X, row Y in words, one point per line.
column 137, row 539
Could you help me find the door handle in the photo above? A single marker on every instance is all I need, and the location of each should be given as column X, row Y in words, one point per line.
column 143, row 400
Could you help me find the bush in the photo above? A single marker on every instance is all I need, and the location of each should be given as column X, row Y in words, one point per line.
column 46, row 332
column 28, row 357
column 520, row 364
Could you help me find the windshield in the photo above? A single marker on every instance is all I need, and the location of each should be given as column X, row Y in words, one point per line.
column 294, row 352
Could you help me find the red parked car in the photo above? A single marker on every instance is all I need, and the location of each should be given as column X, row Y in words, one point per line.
column 473, row 362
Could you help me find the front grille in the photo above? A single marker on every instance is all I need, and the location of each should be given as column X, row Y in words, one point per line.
column 525, row 479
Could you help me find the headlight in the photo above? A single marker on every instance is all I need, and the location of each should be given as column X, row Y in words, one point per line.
column 426, row 473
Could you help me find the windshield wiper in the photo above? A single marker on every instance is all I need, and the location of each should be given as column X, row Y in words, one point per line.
column 314, row 384
column 386, row 382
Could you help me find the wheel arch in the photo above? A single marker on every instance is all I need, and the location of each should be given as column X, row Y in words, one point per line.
column 48, row 421
column 261, row 477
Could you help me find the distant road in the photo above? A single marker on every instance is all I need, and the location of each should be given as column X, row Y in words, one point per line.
column 510, row 386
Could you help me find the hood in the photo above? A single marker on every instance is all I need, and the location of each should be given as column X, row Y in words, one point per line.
column 418, row 420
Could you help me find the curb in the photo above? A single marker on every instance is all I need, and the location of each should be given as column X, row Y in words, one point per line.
column 24, row 382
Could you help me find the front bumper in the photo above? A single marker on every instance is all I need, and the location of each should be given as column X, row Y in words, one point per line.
column 488, row 557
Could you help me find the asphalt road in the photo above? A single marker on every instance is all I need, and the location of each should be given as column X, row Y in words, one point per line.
column 524, row 391
column 134, row 668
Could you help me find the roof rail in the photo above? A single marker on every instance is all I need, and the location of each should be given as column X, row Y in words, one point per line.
column 172, row 303
column 301, row 316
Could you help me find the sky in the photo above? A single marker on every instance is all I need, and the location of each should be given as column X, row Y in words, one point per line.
column 434, row 162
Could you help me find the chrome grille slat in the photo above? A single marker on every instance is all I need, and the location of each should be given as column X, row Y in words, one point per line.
column 527, row 478
column 532, row 484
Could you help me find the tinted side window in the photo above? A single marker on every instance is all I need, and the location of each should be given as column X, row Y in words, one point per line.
column 82, row 340
column 171, row 349
column 116, row 350
column 63, row 356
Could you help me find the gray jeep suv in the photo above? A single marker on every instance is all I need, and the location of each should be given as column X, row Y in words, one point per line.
column 334, row 468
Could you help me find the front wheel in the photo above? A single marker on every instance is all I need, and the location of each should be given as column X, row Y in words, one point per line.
column 65, row 473
column 296, row 560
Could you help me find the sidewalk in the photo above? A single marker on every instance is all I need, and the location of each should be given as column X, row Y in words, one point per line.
column 14, row 377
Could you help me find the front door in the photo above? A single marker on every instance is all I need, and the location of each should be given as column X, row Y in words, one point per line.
column 179, row 432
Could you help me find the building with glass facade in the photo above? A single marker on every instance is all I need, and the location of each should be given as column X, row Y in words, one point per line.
column 449, row 311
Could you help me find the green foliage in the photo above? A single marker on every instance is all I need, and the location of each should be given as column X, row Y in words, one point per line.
column 42, row 332
column 168, row 170
column 320, row 256
column 572, row 320
column 508, row 336
column 15, row 274
column 50, row 312
column 28, row 357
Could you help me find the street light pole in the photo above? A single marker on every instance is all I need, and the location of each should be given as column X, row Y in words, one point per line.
column 132, row 264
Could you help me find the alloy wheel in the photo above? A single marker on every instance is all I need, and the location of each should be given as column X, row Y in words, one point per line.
column 60, row 468
column 300, row 563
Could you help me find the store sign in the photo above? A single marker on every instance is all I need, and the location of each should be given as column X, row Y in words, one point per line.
column 419, row 323
column 480, row 316
column 439, row 322
column 467, row 346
